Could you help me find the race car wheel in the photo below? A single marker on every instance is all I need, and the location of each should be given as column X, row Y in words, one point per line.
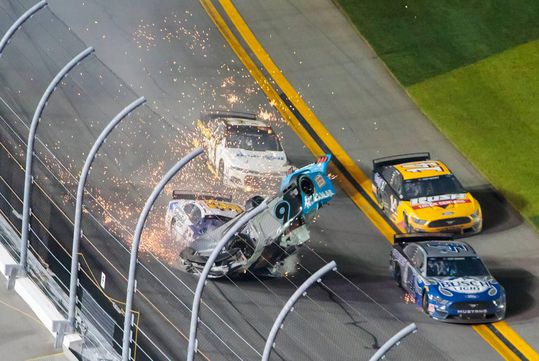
column 425, row 302
column 306, row 186
column 253, row 202
column 397, row 274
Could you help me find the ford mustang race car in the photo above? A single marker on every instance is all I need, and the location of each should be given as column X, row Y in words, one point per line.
column 243, row 151
column 422, row 195
column 446, row 278
column 192, row 215
column 269, row 238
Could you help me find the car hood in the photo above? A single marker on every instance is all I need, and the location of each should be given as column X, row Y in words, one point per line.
column 444, row 206
column 264, row 162
column 467, row 288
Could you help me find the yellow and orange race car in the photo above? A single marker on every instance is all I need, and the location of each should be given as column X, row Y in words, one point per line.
column 422, row 195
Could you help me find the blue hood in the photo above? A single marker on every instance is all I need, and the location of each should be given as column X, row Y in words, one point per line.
column 460, row 289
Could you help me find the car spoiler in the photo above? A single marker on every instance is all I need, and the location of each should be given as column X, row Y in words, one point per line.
column 209, row 115
column 419, row 237
column 178, row 194
column 398, row 159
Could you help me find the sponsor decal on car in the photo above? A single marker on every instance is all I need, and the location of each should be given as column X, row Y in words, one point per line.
column 465, row 285
column 418, row 167
column 317, row 197
column 320, row 180
column 438, row 201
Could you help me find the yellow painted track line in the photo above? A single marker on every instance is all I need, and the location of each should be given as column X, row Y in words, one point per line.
column 338, row 152
column 294, row 122
column 495, row 343
column 516, row 340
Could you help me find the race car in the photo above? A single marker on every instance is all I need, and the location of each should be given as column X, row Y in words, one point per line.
column 192, row 215
column 264, row 244
column 446, row 278
column 422, row 195
column 244, row 152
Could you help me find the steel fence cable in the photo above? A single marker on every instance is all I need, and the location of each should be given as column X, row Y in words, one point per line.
column 122, row 245
column 66, row 288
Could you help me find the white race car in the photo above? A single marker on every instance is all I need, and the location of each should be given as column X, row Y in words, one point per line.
column 190, row 216
column 245, row 152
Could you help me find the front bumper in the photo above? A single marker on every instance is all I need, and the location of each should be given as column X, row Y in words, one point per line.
column 469, row 228
column 453, row 313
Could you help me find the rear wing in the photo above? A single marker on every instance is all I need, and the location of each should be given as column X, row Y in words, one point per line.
column 398, row 159
column 205, row 116
column 420, row 237
column 178, row 194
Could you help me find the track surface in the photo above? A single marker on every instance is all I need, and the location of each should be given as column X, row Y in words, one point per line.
column 369, row 115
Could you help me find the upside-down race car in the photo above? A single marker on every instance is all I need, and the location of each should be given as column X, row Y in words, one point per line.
column 269, row 238
column 422, row 195
column 446, row 278
column 243, row 151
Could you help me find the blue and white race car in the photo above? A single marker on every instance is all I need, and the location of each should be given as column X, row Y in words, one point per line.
column 446, row 278
column 264, row 244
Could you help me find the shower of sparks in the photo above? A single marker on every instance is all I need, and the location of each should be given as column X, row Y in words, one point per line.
column 145, row 146
column 408, row 298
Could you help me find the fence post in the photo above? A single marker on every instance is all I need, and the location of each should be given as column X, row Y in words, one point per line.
column 18, row 23
column 78, row 206
column 246, row 217
column 135, row 244
column 15, row 270
column 395, row 340
column 301, row 291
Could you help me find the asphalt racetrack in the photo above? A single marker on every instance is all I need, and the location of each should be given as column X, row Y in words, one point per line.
column 172, row 53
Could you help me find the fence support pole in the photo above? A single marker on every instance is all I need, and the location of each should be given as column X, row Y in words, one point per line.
column 289, row 306
column 246, row 217
column 77, row 233
column 18, row 23
column 393, row 341
column 135, row 244
column 16, row 270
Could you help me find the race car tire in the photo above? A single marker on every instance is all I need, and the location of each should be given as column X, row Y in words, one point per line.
column 397, row 274
column 306, row 185
column 425, row 302
column 253, row 202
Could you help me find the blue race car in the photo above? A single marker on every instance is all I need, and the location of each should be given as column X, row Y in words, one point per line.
column 264, row 244
column 446, row 278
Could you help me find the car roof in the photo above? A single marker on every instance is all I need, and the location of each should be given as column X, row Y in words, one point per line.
column 239, row 122
column 447, row 249
column 422, row 169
